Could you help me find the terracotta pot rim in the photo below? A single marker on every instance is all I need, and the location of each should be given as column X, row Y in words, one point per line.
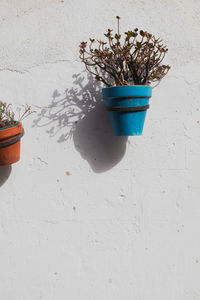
column 10, row 126
column 10, row 132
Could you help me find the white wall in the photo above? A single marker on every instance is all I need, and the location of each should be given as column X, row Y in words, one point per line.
column 85, row 215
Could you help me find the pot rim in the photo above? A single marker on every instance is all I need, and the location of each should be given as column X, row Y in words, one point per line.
column 10, row 126
column 123, row 86
column 126, row 91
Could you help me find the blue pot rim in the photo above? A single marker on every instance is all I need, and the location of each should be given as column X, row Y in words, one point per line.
column 122, row 86
column 125, row 91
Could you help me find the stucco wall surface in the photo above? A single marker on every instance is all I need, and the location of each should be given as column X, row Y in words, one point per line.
column 86, row 215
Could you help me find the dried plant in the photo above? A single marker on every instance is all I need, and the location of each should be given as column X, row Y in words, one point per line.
column 7, row 117
column 24, row 111
column 136, row 59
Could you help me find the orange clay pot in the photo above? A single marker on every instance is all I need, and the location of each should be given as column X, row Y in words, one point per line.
column 10, row 143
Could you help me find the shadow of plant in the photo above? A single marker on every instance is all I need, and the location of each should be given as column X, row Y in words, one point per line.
column 81, row 115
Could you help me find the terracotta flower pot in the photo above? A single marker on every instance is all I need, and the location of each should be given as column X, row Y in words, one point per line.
column 10, row 137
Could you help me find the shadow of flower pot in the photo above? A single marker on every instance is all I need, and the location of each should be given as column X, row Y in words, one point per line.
column 96, row 142
column 4, row 173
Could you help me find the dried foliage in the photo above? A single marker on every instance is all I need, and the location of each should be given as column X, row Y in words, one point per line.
column 24, row 111
column 7, row 116
column 135, row 59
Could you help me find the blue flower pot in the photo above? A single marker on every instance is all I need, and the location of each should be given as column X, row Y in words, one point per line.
column 127, row 107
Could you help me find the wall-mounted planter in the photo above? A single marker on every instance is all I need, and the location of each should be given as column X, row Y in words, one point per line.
column 10, row 137
column 127, row 107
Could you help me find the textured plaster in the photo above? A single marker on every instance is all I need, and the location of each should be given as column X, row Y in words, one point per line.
column 85, row 215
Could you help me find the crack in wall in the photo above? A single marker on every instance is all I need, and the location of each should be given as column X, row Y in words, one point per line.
column 24, row 71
